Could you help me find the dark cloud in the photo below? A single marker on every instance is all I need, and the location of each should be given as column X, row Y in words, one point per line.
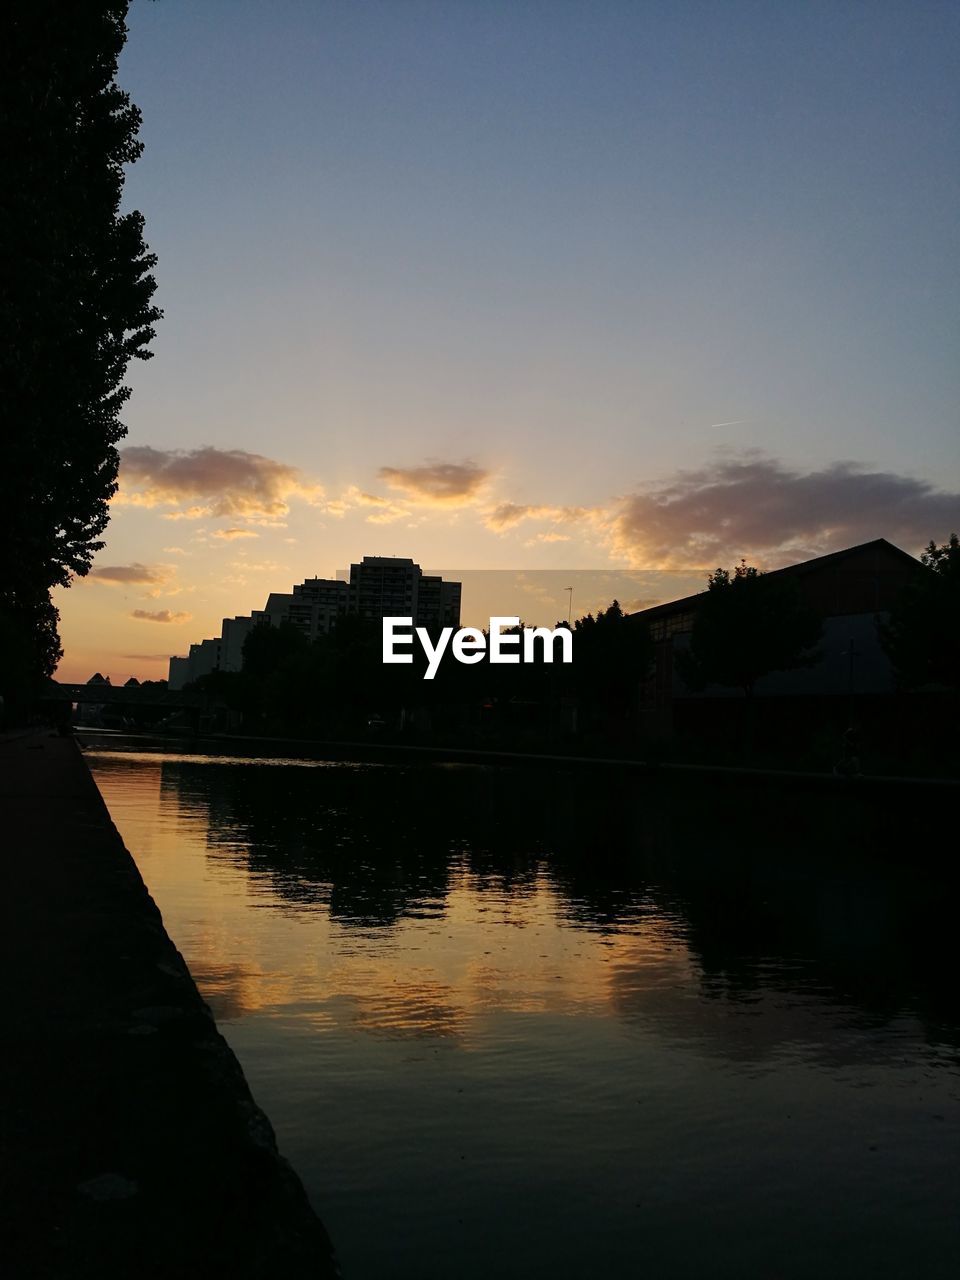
column 437, row 483
column 763, row 510
column 211, row 482
column 160, row 615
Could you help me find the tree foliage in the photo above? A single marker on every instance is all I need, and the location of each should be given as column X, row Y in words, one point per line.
column 613, row 657
column 29, row 648
column 76, row 305
column 747, row 625
column 922, row 635
column 339, row 680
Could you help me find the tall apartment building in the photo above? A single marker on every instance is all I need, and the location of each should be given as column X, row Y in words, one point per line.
column 378, row 587
column 391, row 586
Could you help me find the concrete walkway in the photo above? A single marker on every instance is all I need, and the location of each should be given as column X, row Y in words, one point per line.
column 129, row 1143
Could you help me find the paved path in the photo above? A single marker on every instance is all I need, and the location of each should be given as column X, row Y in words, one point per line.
column 129, row 1143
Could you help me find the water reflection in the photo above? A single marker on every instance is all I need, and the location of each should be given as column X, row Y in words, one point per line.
column 585, row 944
column 740, row 899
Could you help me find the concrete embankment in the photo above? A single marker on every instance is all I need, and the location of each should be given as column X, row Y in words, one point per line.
column 376, row 750
column 130, row 1145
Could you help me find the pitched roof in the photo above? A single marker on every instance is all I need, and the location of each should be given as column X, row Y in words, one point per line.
column 801, row 569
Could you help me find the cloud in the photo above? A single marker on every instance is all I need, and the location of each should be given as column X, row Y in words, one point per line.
column 759, row 508
column 747, row 505
column 384, row 510
column 509, row 514
column 155, row 575
column 160, row 615
column 551, row 536
column 211, row 482
column 230, row 534
column 437, row 484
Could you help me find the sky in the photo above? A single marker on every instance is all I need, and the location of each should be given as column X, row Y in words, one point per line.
column 529, row 285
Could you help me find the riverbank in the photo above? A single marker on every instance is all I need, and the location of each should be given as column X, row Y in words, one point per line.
column 131, row 1143
column 376, row 750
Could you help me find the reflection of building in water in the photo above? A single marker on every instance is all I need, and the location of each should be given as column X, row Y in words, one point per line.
column 378, row 587
column 675, row 913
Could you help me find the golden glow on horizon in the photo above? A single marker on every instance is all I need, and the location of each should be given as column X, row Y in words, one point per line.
column 245, row 525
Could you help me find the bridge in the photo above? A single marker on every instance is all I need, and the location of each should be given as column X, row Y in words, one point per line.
column 125, row 695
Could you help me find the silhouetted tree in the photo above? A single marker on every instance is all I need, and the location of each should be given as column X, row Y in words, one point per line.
column 75, row 306
column 612, row 655
column 747, row 625
column 29, row 646
column 267, row 649
column 922, row 635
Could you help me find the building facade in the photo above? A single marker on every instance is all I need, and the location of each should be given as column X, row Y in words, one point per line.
column 848, row 590
column 377, row 587
column 393, row 587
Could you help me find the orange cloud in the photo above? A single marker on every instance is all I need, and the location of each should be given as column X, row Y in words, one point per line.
column 160, row 615
column 211, row 482
column 155, row 575
column 509, row 514
column 438, row 484
column 384, row 510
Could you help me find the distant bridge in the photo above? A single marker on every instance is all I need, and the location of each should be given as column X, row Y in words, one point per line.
column 126, row 695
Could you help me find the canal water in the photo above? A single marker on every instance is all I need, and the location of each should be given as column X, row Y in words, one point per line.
column 522, row 1023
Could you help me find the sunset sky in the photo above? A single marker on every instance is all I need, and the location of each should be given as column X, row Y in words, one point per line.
column 532, row 285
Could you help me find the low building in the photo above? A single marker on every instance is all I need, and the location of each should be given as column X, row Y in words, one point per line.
column 232, row 636
column 179, row 674
column 205, row 657
column 848, row 590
